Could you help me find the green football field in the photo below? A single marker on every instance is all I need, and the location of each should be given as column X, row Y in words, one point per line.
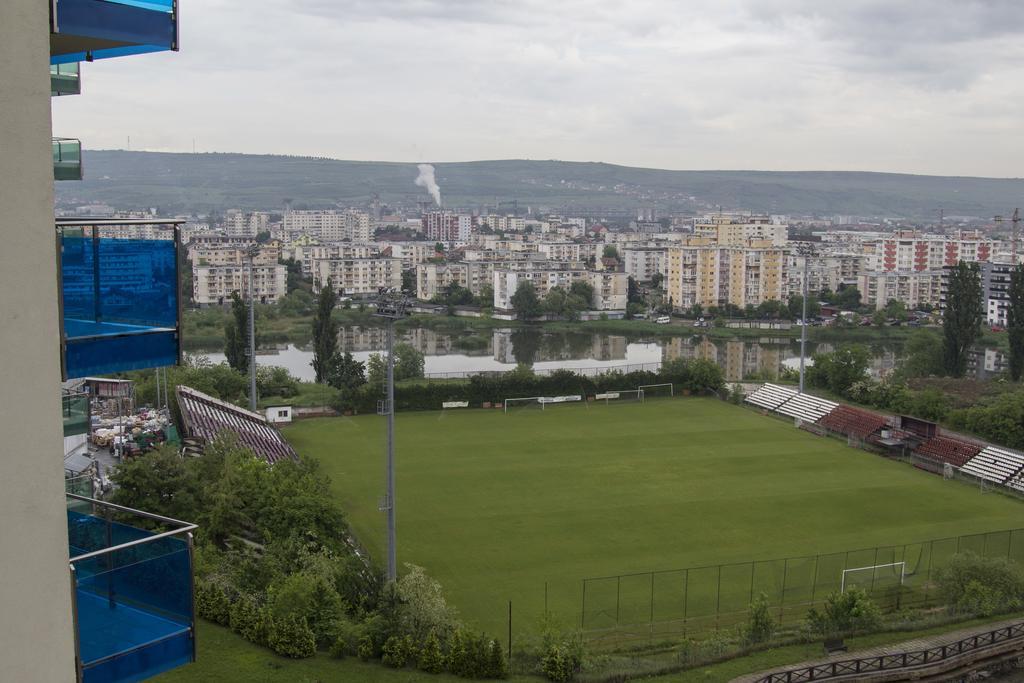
column 522, row 506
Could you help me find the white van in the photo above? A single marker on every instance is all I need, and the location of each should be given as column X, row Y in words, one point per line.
column 663, row 320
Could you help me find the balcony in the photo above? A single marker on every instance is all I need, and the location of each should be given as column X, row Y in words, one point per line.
column 65, row 79
column 84, row 30
column 118, row 295
column 132, row 592
column 67, row 159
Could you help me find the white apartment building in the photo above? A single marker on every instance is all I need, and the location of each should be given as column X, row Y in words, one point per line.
column 544, row 280
column 307, row 254
column 611, row 290
column 330, row 226
column 504, row 223
column 559, row 251
column 447, row 226
column 995, row 282
column 238, row 223
column 913, row 250
column 641, row 263
column 212, row 285
column 355, row 276
column 740, row 230
column 411, row 253
column 912, row 287
column 823, row 271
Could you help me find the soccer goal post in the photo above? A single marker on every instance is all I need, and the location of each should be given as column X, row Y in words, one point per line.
column 528, row 399
column 655, row 390
column 621, row 395
column 891, row 571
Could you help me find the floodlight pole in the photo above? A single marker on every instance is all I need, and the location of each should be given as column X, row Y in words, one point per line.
column 803, row 325
column 251, row 253
column 391, row 306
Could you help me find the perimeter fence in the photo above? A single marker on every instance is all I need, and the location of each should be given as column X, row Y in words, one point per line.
column 696, row 600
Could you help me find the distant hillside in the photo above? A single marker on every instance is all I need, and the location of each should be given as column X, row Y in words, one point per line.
column 182, row 183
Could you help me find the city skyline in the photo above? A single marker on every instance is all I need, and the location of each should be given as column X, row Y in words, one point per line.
column 922, row 88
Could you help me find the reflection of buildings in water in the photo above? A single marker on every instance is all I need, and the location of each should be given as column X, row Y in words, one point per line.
column 737, row 358
column 554, row 347
column 355, row 339
column 986, row 363
column 426, row 341
column 882, row 363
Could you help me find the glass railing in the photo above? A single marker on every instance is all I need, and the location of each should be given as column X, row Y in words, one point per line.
column 65, row 79
column 119, row 286
column 84, row 30
column 67, row 159
column 75, row 411
column 132, row 591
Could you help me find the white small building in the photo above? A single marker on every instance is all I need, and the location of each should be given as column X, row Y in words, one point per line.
column 278, row 414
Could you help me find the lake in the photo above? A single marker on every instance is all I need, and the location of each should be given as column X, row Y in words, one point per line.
column 459, row 355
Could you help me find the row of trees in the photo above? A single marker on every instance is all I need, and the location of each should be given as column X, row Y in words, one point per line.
column 559, row 302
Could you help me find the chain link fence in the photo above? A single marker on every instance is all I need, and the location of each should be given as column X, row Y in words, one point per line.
column 695, row 600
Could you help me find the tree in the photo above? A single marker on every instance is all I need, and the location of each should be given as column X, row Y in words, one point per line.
column 376, row 369
column 325, row 333
column 896, row 310
column 525, row 302
column 839, row 370
column 962, row 317
column 879, row 318
column 345, row 372
column 610, row 251
column 409, row 363
column 795, row 304
column 633, row 293
column 922, row 355
column 236, row 335
column 848, row 298
column 409, row 281
column 582, row 289
column 295, row 279
column 656, row 280
column 1015, row 322
column 486, row 298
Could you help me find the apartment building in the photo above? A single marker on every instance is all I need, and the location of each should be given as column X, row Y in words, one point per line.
column 411, row 253
column 212, row 285
column 55, row 623
column 995, row 283
column 912, row 287
column 611, row 290
column 506, row 282
column 357, row 276
column 504, row 223
column 238, row 223
column 823, row 271
column 330, row 226
column 559, row 251
column 710, row 274
column 307, row 254
column 740, row 230
column 447, row 226
column 201, row 255
column 642, row 263
column 906, row 250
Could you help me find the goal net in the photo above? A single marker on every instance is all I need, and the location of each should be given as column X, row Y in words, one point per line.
column 544, row 402
column 621, row 396
column 874, row 578
column 657, row 390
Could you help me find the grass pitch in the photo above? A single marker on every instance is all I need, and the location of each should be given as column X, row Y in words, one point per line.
column 497, row 506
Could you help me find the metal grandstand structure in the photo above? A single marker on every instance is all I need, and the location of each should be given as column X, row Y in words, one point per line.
column 205, row 418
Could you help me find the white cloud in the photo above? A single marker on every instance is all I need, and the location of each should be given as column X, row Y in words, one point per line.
column 926, row 87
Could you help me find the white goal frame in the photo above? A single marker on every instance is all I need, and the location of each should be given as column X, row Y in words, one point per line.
column 616, row 395
column 902, row 565
column 671, row 389
column 535, row 399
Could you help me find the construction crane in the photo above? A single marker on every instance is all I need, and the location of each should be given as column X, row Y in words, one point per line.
column 1014, row 220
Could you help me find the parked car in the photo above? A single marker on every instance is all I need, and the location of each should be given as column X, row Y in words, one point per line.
column 663, row 320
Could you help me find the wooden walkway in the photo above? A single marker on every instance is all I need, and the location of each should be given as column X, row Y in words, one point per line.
column 936, row 641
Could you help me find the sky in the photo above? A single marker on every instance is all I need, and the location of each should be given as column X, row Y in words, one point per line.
column 915, row 86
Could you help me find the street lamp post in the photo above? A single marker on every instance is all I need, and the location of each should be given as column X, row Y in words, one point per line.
column 804, row 250
column 251, row 254
column 391, row 305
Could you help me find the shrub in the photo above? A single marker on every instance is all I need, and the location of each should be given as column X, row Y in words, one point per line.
column 497, row 667
column 347, row 642
column 761, row 624
column 398, row 651
column 212, row 602
column 845, row 613
column 290, row 636
column 366, row 649
column 314, row 600
column 424, row 609
column 250, row 620
column 559, row 664
column 973, row 584
column 431, row 659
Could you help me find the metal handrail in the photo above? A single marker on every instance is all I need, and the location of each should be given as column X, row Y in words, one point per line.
column 85, row 222
column 183, row 527
column 897, row 660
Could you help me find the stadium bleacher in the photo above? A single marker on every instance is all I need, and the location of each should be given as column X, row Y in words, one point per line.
column 854, row 422
column 1017, row 483
column 806, row 407
column 995, row 464
column 948, row 449
column 771, row 396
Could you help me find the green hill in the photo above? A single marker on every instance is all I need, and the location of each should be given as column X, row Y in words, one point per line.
column 184, row 183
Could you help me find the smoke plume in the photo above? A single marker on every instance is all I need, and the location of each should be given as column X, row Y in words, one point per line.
column 426, row 180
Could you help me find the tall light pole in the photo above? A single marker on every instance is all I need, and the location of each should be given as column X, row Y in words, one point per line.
column 391, row 305
column 804, row 250
column 251, row 254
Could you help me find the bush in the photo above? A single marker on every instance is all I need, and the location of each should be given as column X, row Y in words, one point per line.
column 398, row 651
column 366, row 649
column 290, row 636
column 559, row 664
column 431, row 659
column 250, row 621
column 972, row 584
column 845, row 613
column 761, row 625
column 497, row 667
column 212, row 602
column 312, row 599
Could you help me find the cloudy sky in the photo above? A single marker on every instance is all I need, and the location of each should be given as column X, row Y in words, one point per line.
column 919, row 86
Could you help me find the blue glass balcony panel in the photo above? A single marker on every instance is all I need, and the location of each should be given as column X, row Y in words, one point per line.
column 98, row 29
column 133, row 606
column 119, row 299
